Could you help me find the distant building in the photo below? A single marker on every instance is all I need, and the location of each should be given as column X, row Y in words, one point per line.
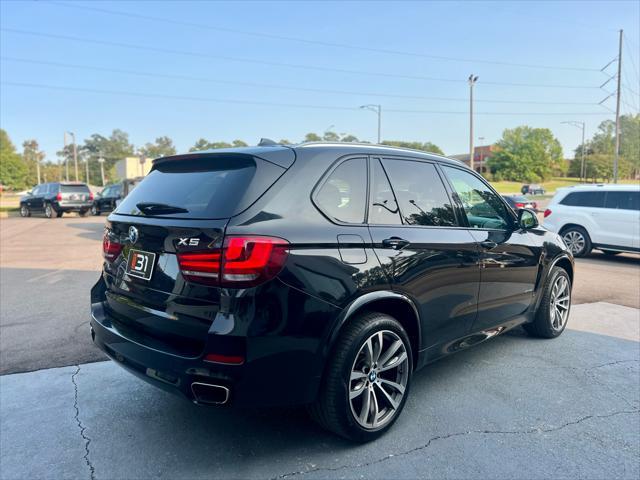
column 132, row 167
column 480, row 156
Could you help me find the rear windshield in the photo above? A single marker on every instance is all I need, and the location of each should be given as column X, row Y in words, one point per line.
column 74, row 188
column 519, row 198
column 210, row 187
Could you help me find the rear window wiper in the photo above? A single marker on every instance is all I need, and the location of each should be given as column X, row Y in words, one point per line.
column 152, row 208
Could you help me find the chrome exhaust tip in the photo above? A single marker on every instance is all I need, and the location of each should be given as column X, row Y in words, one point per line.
column 209, row 394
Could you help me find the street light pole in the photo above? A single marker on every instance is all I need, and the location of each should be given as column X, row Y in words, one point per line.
column 481, row 152
column 66, row 159
column 378, row 110
column 582, row 166
column 75, row 155
column 472, row 82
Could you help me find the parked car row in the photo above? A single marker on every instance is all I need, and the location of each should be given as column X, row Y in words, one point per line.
column 54, row 199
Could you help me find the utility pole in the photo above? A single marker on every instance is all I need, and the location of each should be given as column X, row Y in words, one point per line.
column 66, row 159
column 617, row 152
column 582, row 166
column 472, row 81
column 378, row 110
column 87, row 167
column 101, row 162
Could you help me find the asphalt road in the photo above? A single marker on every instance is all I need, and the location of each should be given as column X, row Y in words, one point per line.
column 47, row 268
column 514, row 408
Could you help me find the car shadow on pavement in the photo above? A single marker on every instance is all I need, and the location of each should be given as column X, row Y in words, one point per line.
column 621, row 259
column 503, row 385
column 91, row 231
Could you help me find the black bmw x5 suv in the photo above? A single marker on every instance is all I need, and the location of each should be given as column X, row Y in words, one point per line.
column 318, row 274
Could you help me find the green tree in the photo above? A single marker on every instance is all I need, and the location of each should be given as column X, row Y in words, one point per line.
column 600, row 149
column 32, row 157
column 203, row 144
column 330, row 136
column 13, row 171
column 312, row 137
column 426, row 146
column 112, row 149
column 163, row 147
column 527, row 154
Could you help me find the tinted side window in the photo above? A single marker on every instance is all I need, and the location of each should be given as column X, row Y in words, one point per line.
column 584, row 199
column 483, row 208
column 623, row 200
column 420, row 192
column 383, row 209
column 343, row 195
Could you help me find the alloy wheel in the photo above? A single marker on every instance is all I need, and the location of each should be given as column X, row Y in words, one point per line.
column 378, row 380
column 48, row 211
column 575, row 241
column 24, row 211
column 560, row 303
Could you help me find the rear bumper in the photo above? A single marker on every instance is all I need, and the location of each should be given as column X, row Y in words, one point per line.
column 72, row 207
column 277, row 371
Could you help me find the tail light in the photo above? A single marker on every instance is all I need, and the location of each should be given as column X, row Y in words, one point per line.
column 243, row 262
column 110, row 248
column 90, row 195
column 200, row 267
column 59, row 196
column 519, row 205
column 547, row 212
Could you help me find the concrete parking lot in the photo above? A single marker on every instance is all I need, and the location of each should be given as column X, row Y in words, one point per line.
column 514, row 407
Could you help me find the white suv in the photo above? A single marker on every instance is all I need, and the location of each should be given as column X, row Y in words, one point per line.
column 606, row 217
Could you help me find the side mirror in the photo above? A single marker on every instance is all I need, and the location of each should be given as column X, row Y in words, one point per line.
column 527, row 219
column 29, row 192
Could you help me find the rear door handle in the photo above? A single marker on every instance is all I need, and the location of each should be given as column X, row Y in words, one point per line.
column 488, row 244
column 395, row 242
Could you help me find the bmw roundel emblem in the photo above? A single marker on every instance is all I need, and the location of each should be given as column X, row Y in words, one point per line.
column 133, row 234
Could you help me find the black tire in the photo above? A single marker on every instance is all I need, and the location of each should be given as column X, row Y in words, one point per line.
column 59, row 214
column 543, row 324
column 577, row 240
column 95, row 211
column 25, row 211
column 333, row 409
column 49, row 210
column 83, row 213
column 610, row 253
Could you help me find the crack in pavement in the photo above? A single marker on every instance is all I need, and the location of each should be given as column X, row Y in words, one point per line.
column 87, row 440
column 451, row 435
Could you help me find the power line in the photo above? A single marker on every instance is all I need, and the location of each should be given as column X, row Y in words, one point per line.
column 279, row 87
column 315, row 42
column 271, row 63
column 269, row 104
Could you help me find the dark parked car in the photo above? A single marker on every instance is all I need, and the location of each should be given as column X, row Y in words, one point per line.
column 111, row 195
column 57, row 198
column 518, row 202
column 533, row 189
column 318, row 274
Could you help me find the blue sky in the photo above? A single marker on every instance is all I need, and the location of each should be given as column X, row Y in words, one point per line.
column 175, row 60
